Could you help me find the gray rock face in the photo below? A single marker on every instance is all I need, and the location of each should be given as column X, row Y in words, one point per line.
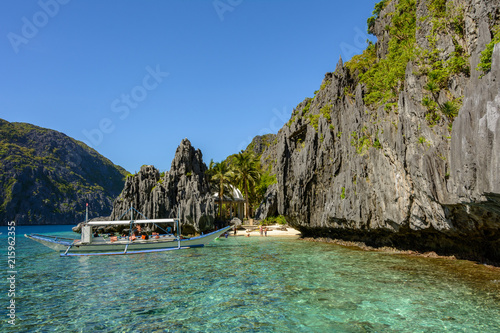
column 475, row 144
column 183, row 191
column 269, row 206
column 260, row 143
column 387, row 177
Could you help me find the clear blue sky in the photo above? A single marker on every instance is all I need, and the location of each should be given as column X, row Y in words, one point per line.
column 133, row 78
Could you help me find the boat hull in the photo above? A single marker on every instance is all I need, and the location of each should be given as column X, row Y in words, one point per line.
column 70, row 247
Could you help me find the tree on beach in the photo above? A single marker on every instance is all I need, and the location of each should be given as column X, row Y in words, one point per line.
column 220, row 175
column 246, row 174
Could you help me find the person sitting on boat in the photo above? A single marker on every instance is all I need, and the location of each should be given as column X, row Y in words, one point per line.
column 169, row 230
column 96, row 234
column 135, row 231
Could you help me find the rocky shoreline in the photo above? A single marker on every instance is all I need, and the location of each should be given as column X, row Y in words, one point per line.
column 392, row 250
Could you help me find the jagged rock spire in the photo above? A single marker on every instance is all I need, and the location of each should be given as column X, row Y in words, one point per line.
column 340, row 65
column 183, row 191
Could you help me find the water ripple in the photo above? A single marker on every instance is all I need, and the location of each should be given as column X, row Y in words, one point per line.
column 254, row 285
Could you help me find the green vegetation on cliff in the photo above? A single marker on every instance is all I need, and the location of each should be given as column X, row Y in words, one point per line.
column 384, row 77
column 376, row 12
column 485, row 64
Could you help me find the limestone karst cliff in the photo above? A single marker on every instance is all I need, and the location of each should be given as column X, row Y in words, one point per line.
column 381, row 156
column 183, row 191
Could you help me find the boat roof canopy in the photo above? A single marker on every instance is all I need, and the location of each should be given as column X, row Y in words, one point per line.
column 134, row 221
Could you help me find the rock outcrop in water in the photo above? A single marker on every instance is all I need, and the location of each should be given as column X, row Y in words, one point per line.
column 182, row 192
column 392, row 174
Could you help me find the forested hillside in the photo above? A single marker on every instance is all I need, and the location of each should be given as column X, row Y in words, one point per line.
column 47, row 177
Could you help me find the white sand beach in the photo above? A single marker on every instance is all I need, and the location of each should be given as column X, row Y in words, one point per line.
column 272, row 231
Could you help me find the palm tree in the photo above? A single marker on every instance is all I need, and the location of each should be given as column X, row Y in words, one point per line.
column 221, row 175
column 210, row 171
column 247, row 173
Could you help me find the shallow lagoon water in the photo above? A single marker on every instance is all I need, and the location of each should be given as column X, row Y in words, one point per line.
column 250, row 284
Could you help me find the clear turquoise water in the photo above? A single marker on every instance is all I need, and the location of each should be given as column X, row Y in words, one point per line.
column 251, row 284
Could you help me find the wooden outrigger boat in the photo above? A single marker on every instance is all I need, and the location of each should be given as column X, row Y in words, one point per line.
column 89, row 245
